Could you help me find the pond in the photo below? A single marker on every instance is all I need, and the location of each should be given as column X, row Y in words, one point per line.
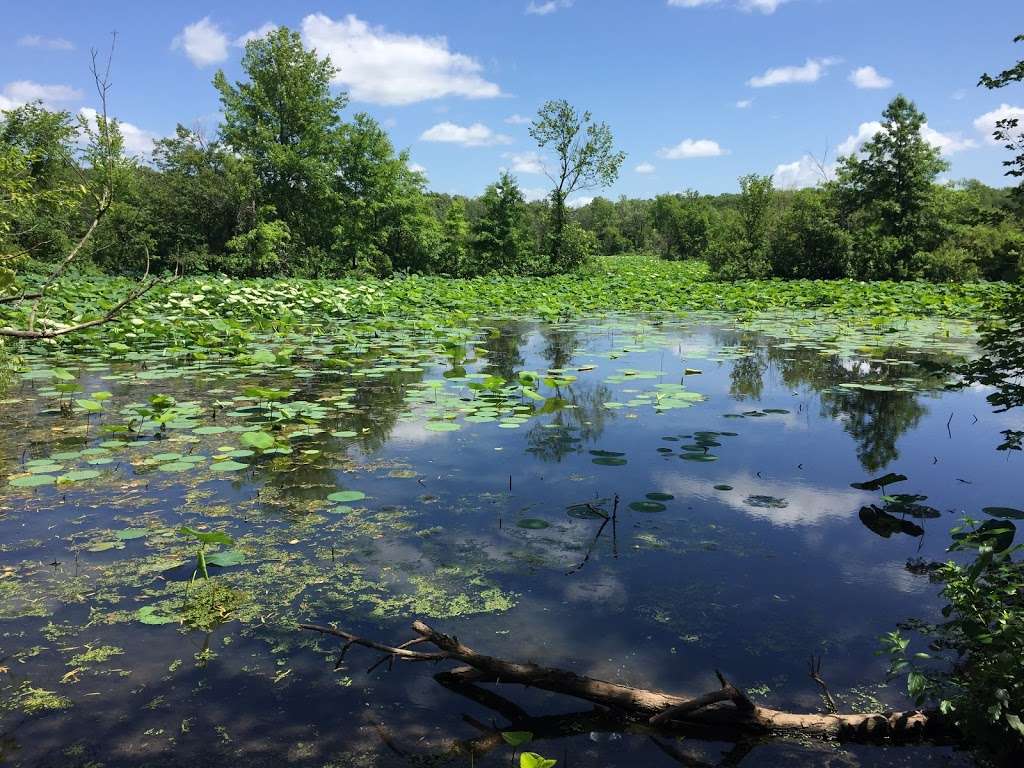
column 638, row 498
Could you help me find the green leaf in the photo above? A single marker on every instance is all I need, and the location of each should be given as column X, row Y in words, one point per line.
column 207, row 537
column 151, row 614
column 226, row 558
column 343, row 497
column 261, row 441
column 516, row 738
column 533, row 760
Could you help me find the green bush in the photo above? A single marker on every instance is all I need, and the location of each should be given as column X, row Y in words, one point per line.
column 947, row 264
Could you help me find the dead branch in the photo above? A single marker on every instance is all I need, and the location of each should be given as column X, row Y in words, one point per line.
column 727, row 713
column 815, row 674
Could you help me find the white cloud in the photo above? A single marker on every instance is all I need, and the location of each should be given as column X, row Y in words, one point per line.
column 645, row 168
column 533, row 194
column 255, row 34
column 203, row 42
column 137, row 141
column 744, row 103
column 19, row 92
column 526, row 162
column 390, row 68
column 868, row 77
column 51, row 43
column 416, row 168
column 475, row 135
column 550, row 6
column 946, row 143
column 764, row 6
column 855, row 142
column 806, row 504
column 517, row 120
column 986, row 124
column 810, row 71
column 688, row 148
column 805, row 172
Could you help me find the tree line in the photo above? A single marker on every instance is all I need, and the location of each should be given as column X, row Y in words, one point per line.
column 286, row 186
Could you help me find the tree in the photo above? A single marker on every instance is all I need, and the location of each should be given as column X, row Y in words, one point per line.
column 886, row 192
column 586, row 159
column 103, row 155
column 456, row 240
column 808, row 241
column 1008, row 129
column 286, row 124
column 200, row 197
column 740, row 248
column 500, row 240
column 683, row 224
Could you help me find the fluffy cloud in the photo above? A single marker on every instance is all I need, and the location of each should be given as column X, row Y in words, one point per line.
column 203, row 42
column 645, row 168
column 688, row 148
column 764, row 6
column 390, row 68
column 805, row 172
column 986, row 124
column 137, row 141
column 580, row 202
column 51, row 43
column 810, row 71
column 550, row 6
column 744, row 103
column 20, row 92
column 255, row 34
column 518, row 120
column 416, row 168
column 946, row 143
column 475, row 135
column 526, row 162
column 868, row 77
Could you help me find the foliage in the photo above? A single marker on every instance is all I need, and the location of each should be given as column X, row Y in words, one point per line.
column 500, row 239
column 285, row 122
column 684, row 225
column 809, row 241
column 885, row 191
column 586, row 159
column 1008, row 129
column 971, row 669
column 741, row 251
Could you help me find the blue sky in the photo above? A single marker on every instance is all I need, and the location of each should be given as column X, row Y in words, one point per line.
column 697, row 92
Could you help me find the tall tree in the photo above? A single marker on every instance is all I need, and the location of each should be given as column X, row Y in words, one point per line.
column 586, row 159
column 286, row 123
column 887, row 190
column 500, row 239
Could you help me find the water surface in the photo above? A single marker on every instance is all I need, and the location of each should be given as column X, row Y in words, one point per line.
column 654, row 498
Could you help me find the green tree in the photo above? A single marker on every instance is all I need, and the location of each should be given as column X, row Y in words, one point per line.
column 456, row 240
column 886, row 193
column 684, row 224
column 740, row 246
column 286, row 124
column 586, row 159
column 200, row 197
column 500, row 239
column 808, row 241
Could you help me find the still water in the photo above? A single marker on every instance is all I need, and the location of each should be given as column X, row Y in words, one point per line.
column 643, row 499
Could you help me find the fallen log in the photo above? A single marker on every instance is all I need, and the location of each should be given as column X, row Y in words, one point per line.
column 726, row 713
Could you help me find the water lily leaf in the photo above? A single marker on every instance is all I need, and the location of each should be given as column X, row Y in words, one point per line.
column 228, row 466
column 647, row 506
column 343, row 497
column 151, row 614
column 79, row 476
column 879, row 482
column 533, row 523
column 131, row 533
column 1004, row 512
column 226, row 558
column 516, row 738
column 32, row 481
